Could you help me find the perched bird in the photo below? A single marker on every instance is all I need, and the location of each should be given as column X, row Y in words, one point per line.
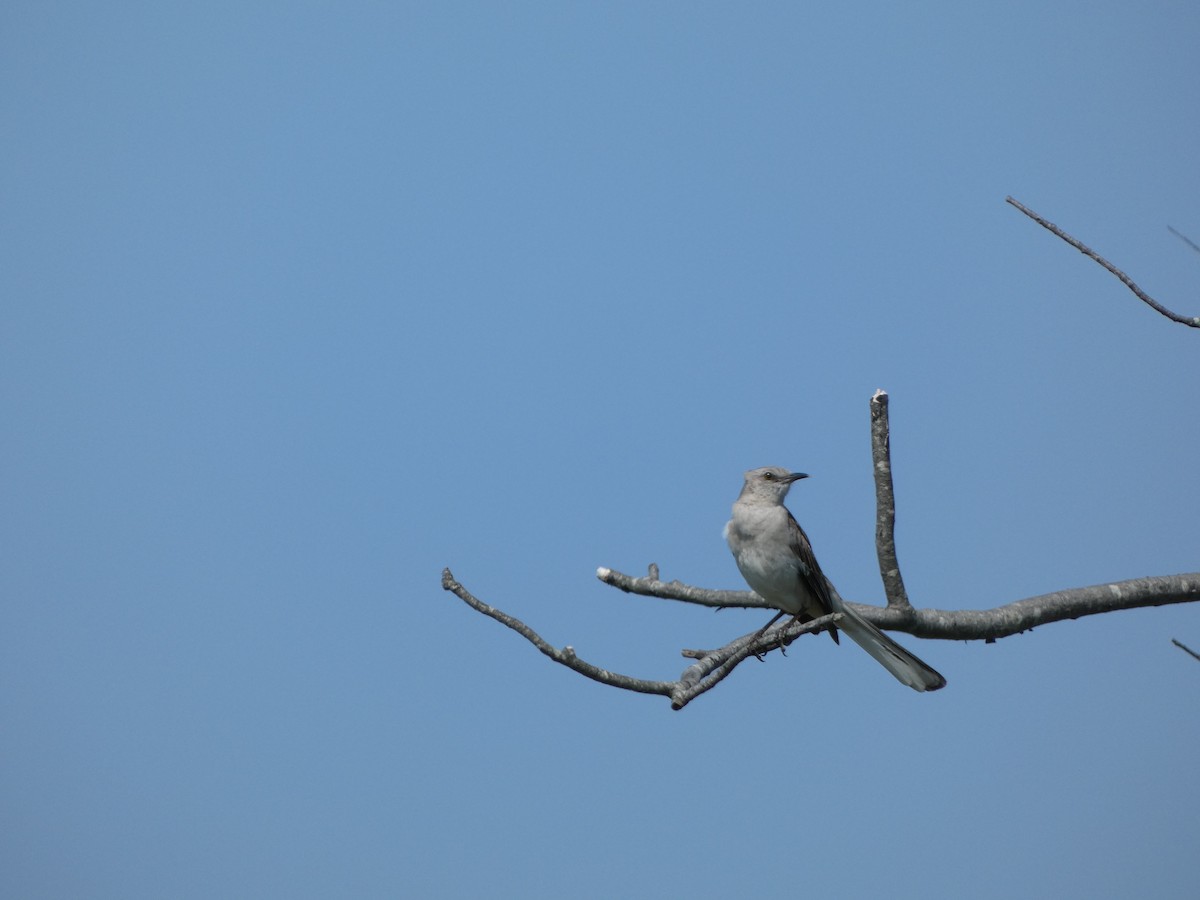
column 775, row 557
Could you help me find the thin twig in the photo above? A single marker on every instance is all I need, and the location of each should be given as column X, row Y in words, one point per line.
column 1185, row 648
column 1183, row 237
column 1083, row 248
column 885, row 505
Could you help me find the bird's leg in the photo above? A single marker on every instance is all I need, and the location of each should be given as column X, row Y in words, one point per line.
column 758, row 634
column 783, row 645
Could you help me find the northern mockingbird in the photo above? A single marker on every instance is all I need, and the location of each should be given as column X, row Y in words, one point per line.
column 776, row 559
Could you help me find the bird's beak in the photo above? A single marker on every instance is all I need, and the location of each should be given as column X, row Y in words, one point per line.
column 795, row 476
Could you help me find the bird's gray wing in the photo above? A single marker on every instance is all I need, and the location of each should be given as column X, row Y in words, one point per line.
column 906, row 667
column 811, row 576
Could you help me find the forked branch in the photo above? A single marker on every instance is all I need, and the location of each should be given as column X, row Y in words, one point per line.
column 713, row 666
column 709, row 670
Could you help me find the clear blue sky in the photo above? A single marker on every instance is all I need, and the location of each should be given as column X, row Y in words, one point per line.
column 304, row 301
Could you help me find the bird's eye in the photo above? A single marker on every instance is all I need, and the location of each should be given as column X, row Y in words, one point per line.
column 768, row 476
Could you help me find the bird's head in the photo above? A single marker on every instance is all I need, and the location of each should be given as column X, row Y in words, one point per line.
column 770, row 481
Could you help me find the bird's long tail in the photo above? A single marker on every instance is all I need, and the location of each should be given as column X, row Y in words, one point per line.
column 907, row 668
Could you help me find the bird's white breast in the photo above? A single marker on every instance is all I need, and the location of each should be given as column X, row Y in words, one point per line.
column 758, row 537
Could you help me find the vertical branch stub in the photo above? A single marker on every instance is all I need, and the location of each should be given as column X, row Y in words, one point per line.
column 885, row 505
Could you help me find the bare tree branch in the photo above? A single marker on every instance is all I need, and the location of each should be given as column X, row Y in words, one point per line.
column 885, row 505
column 1193, row 321
column 709, row 670
column 713, row 666
column 1183, row 237
column 651, row 586
column 565, row 656
column 986, row 624
column 1185, row 648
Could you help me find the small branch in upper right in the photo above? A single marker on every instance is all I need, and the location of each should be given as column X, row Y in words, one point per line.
column 1191, row 321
